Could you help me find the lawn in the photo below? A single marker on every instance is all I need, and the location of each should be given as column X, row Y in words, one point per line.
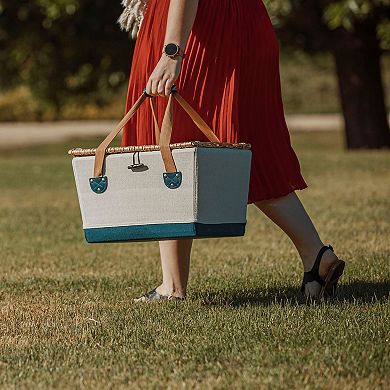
column 67, row 319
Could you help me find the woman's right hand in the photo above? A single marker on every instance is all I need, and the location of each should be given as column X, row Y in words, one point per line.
column 164, row 76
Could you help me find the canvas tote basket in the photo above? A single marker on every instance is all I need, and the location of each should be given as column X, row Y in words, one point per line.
column 154, row 192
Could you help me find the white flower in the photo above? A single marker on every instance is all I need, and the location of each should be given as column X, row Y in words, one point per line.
column 132, row 16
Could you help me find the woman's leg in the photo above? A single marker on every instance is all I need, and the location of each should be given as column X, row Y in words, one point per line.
column 289, row 214
column 175, row 263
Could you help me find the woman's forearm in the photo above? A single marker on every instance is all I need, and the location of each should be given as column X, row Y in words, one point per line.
column 181, row 17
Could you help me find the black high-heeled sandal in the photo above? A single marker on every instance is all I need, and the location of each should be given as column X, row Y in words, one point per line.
column 153, row 295
column 313, row 286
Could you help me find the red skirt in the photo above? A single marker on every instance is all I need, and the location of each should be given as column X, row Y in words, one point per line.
column 230, row 75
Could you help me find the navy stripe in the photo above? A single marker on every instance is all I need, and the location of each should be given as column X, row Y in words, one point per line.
column 163, row 231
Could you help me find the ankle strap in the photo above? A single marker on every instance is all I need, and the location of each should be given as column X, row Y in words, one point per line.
column 314, row 274
column 316, row 266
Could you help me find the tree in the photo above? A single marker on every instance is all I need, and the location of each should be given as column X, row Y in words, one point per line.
column 357, row 33
column 64, row 50
column 72, row 50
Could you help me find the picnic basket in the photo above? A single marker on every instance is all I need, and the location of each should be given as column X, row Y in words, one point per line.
column 192, row 189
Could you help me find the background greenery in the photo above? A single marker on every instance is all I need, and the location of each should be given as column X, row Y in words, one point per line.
column 68, row 59
column 63, row 50
column 67, row 319
column 308, row 86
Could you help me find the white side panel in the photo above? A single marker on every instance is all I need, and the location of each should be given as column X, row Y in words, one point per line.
column 136, row 198
column 223, row 185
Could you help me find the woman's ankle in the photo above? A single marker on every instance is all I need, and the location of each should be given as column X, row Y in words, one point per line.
column 328, row 258
column 308, row 254
column 171, row 290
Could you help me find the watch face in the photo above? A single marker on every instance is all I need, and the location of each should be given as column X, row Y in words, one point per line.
column 171, row 49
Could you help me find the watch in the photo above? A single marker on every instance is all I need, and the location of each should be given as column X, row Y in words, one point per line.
column 173, row 50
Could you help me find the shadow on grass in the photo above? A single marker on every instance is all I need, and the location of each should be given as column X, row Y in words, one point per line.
column 357, row 292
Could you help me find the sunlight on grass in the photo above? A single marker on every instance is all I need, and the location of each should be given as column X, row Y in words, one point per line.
column 67, row 319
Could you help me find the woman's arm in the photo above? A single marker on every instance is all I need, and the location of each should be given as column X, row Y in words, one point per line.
column 181, row 16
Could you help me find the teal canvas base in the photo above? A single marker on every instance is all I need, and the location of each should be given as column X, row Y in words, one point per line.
column 163, row 231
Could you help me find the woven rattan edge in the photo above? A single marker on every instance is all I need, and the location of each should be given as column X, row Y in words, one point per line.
column 77, row 152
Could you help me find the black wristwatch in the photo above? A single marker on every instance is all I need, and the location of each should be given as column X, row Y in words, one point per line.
column 173, row 50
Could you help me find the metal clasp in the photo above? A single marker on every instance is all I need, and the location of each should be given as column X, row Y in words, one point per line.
column 136, row 162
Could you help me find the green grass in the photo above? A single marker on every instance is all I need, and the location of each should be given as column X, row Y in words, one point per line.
column 67, row 319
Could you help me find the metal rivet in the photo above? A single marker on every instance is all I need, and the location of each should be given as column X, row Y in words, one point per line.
column 90, row 179
column 165, row 175
column 177, row 175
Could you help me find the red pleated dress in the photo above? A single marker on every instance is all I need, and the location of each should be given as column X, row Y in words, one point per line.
column 230, row 75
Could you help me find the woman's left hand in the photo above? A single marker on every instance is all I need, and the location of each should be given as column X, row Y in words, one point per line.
column 164, row 76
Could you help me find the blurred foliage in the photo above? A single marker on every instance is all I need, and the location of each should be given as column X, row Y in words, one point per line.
column 302, row 75
column 356, row 33
column 336, row 13
column 345, row 13
column 63, row 49
column 72, row 51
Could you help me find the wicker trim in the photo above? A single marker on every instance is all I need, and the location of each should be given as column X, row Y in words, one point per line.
column 149, row 148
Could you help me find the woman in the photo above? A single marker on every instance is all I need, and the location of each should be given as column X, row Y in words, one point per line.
column 230, row 75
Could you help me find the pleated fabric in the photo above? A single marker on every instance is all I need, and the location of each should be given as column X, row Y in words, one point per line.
column 230, row 75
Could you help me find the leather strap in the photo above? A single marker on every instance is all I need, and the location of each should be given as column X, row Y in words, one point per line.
column 165, row 138
column 156, row 127
column 162, row 138
column 203, row 126
column 314, row 273
column 101, row 149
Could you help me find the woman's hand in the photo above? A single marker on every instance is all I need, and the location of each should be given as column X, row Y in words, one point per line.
column 164, row 76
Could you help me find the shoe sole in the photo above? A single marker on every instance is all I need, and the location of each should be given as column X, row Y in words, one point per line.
column 332, row 278
column 161, row 299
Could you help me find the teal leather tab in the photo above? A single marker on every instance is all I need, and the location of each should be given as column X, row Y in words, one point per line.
column 98, row 184
column 172, row 179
